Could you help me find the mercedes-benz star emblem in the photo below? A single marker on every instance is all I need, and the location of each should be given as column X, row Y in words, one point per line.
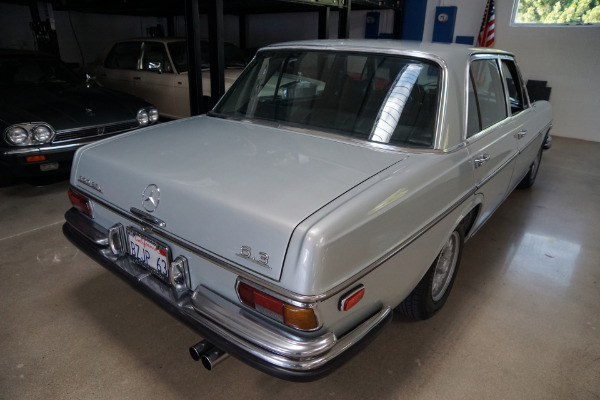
column 151, row 197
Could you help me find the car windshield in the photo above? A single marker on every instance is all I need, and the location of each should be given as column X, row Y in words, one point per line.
column 34, row 71
column 234, row 57
column 375, row 97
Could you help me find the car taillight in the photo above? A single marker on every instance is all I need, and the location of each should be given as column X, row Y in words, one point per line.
column 81, row 202
column 303, row 318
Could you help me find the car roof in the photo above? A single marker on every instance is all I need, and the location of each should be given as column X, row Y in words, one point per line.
column 449, row 52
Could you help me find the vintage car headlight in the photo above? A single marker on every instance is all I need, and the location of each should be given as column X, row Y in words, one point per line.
column 42, row 134
column 28, row 134
column 142, row 117
column 16, row 135
column 153, row 115
column 147, row 116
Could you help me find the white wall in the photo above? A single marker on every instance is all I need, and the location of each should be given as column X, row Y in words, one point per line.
column 567, row 57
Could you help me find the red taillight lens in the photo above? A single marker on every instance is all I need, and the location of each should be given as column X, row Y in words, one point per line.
column 297, row 317
column 81, row 202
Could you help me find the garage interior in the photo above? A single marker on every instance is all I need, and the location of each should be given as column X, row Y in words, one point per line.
column 523, row 319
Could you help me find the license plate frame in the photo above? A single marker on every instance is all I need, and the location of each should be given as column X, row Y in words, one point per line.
column 151, row 254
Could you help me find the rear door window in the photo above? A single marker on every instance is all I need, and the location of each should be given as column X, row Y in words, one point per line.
column 514, row 86
column 124, row 55
column 487, row 104
column 155, row 58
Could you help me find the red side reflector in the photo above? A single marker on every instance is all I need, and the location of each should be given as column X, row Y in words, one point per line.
column 352, row 298
column 32, row 159
column 81, row 202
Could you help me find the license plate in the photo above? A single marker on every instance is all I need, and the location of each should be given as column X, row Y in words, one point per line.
column 150, row 253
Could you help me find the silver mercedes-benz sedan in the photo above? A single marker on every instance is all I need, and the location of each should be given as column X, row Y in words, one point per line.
column 332, row 186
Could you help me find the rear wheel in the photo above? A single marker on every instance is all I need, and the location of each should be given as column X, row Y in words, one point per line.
column 529, row 179
column 434, row 288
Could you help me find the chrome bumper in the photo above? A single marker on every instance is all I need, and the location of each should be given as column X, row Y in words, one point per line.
column 228, row 326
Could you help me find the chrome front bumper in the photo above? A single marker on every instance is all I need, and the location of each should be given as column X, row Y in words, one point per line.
column 227, row 325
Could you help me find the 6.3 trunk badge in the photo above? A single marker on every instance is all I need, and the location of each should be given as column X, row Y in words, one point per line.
column 151, row 197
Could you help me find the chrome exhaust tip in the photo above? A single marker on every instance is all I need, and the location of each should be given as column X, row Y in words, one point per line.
column 207, row 353
column 213, row 357
column 197, row 350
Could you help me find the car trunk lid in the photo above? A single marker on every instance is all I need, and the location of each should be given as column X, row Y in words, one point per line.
column 234, row 189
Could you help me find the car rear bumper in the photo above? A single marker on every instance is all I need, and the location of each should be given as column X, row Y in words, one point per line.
column 227, row 325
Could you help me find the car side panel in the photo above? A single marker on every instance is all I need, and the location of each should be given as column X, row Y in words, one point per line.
column 366, row 226
column 531, row 127
column 493, row 159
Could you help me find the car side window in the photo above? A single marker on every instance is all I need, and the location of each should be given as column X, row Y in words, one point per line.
column 514, row 86
column 155, row 58
column 124, row 55
column 487, row 104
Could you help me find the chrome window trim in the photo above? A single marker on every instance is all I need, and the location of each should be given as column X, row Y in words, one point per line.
column 437, row 145
column 483, row 56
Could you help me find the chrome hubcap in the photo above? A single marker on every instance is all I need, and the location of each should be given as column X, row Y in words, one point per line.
column 445, row 266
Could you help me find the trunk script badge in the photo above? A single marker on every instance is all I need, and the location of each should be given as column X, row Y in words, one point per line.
column 151, row 197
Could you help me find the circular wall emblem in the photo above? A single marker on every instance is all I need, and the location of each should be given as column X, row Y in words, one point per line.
column 151, row 197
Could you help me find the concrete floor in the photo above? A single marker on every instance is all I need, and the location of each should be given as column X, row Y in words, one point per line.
column 522, row 322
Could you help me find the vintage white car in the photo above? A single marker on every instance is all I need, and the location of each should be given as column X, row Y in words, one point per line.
column 156, row 70
column 335, row 183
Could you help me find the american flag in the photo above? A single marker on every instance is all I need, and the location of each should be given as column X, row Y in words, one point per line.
column 488, row 25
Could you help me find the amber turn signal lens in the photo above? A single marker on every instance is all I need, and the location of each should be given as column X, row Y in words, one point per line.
column 299, row 317
column 32, row 159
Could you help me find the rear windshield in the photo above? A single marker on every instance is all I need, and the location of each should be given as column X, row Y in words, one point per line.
column 379, row 98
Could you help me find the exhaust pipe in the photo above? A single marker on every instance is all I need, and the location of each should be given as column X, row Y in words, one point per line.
column 213, row 357
column 200, row 348
column 207, row 353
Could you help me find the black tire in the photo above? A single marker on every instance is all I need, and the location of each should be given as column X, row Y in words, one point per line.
column 434, row 288
column 529, row 179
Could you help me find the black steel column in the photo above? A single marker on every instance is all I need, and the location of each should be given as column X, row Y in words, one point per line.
column 324, row 22
column 192, row 31
column 217, row 49
column 170, row 26
column 243, row 31
column 344, row 22
column 398, row 21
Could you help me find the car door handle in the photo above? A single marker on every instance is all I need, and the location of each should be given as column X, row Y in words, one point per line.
column 521, row 134
column 480, row 160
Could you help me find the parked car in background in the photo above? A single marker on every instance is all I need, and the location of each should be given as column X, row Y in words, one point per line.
column 156, row 69
column 47, row 112
column 335, row 182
